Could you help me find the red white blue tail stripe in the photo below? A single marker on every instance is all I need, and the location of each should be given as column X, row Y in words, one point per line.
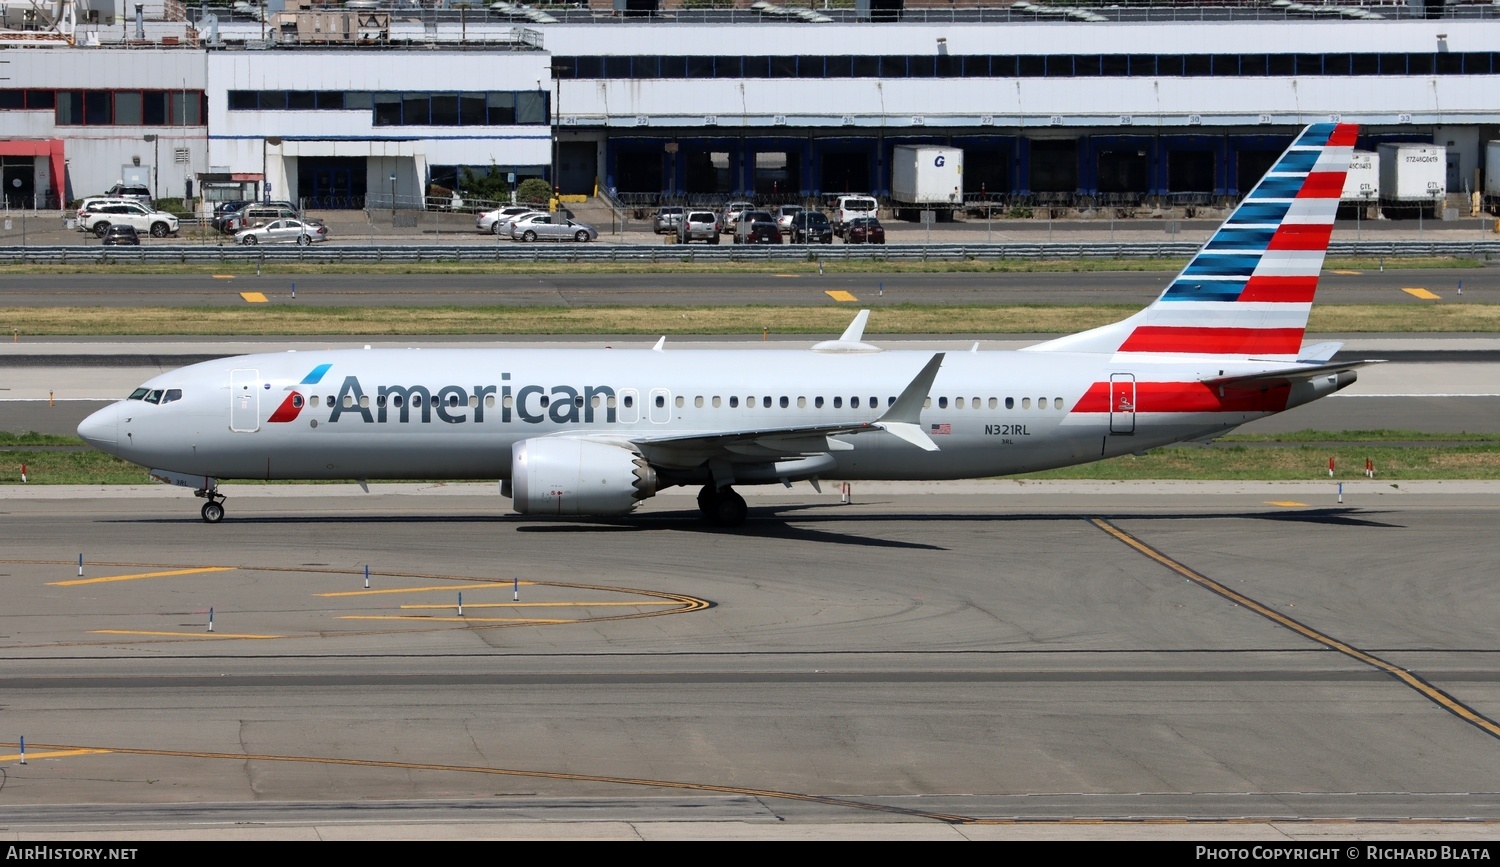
column 1248, row 291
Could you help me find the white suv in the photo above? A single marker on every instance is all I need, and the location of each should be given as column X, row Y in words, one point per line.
column 159, row 223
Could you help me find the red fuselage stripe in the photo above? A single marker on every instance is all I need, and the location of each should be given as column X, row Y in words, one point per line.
column 1182, row 397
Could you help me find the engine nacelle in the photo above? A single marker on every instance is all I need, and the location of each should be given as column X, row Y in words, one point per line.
column 558, row 476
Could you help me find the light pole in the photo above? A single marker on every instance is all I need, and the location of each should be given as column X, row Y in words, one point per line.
column 558, row 70
column 393, row 198
column 155, row 171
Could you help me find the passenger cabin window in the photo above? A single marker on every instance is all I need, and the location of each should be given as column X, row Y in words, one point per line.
column 1010, row 403
column 1025, row 403
column 942, row 403
column 838, row 402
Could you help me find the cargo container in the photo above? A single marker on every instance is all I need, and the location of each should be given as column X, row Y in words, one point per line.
column 1413, row 173
column 926, row 178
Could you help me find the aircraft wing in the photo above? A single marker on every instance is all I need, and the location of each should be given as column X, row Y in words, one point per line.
column 1287, row 375
column 902, row 418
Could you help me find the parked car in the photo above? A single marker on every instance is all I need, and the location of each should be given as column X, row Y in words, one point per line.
column 698, row 226
column 864, row 230
column 94, row 203
column 811, row 227
column 851, row 206
column 259, row 214
column 746, row 225
column 784, row 215
column 283, row 231
column 222, row 211
column 551, row 227
column 667, row 220
column 732, row 213
column 135, row 192
column 122, row 235
column 496, row 222
column 159, row 223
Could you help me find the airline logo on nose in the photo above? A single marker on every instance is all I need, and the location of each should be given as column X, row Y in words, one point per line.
column 291, row 407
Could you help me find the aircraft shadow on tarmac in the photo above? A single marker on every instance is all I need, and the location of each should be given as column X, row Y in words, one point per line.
column 792, row 522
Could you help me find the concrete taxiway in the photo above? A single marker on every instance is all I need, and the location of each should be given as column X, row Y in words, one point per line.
column 979, row 660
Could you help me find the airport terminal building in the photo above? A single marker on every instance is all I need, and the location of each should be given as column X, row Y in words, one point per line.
column 370, row 104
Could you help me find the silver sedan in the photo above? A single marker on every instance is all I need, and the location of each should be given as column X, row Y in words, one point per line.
column 284, row 231
column 551, row 227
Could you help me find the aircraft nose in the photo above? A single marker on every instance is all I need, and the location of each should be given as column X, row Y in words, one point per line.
column 102, row 429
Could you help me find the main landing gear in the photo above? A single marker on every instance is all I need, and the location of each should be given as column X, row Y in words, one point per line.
column 722, row 507
column 213, row 510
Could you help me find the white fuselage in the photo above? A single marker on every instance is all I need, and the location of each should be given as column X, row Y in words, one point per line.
column 455, row 413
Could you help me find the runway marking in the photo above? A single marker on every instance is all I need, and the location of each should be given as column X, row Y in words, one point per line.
column 1422, row 687
column 1418, row 292
column 223, row 276
column 179, row 634
column 660, row 604
column 543, row 605
column 446, row 589
column 1284, row 503
column 64, row 750
column 427, row 618
column 839, row 295
column 1346, row 273
column 254, row 297
column 531, row 774
column 54, row 754
column 75, row 582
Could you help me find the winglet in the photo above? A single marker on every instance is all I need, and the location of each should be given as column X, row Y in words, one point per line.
column 660, row 344
column 856, row 330
column 904, row 417
column 852, row 340
column 908, row 406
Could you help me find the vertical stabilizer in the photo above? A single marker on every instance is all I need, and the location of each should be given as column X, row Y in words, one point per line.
column 1249, row 289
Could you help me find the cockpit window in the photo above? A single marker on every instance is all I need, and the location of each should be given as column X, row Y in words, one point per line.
column 139, row 394
column 171, row 395
column 153, row 396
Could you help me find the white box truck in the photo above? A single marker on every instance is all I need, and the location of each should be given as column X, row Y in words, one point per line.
column 1413, row 173
column 1362, row 183
column 926, row 178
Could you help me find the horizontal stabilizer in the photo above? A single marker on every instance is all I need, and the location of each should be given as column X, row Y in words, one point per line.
column 1319, row 353
column 1285, row 375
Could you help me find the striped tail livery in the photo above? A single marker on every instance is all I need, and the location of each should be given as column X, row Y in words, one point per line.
column 1248, row 291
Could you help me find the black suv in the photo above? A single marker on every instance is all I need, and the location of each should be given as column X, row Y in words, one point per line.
column 811, row 227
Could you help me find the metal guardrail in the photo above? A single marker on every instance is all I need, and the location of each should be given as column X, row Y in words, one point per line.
column 635, row 253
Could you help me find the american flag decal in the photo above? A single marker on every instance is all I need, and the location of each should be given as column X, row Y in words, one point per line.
column 941, row 429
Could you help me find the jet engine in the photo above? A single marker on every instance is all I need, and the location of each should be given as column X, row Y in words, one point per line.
column 560, row 476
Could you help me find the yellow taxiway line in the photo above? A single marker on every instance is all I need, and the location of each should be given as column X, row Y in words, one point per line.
column 108, row 578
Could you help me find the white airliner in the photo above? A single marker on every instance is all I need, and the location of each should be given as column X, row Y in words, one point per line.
column 577, row 432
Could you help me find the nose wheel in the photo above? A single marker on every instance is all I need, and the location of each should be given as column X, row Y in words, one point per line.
column 722, row 507
column 213, row 511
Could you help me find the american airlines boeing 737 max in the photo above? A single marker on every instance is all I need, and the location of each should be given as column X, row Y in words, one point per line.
column 578, row 432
